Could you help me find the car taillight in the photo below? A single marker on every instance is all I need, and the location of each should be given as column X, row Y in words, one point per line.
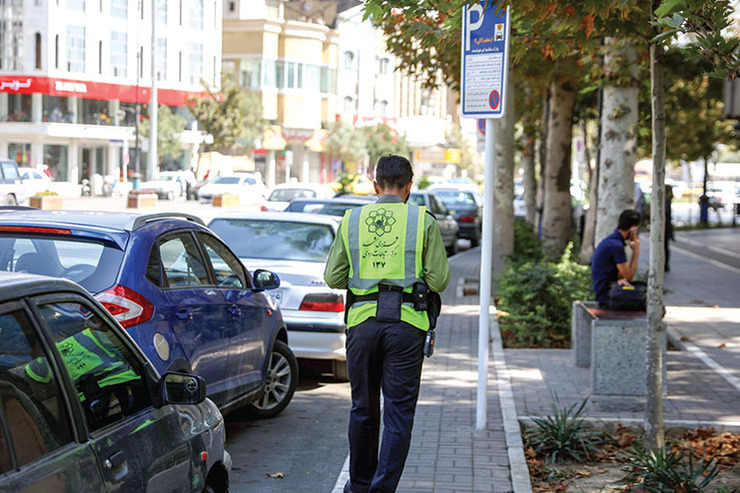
column 126, row 305
column 326, row 302
column 467, row 219
column 263, row 208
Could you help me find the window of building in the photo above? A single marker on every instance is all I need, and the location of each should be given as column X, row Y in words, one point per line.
column 76, row 5
column 161, row 12
column 349, row 105
column 228, row 67
column 269, row 69
column 119, row 53
column 179, row 66
column 195, row 60
column 349, row 60
column 38, row 50
column 161, row 60
column 327, row 85
column 181, row 12
column 232, row 6
column 383, row 64
column 196, row 14
column 312, row 78
column 381, row 108
column 75, row 48
column 100, row 57
column 11, row 35
column 21, row 154
column 273, row 9
column 215, row 15
column 19, row 108
column 55, row 109
column 55, row 157
column 140, row 57
column 56, row 51
column 249, row 73
column 119, row 8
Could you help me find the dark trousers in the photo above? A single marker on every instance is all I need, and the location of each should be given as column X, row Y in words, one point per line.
column 385, row 356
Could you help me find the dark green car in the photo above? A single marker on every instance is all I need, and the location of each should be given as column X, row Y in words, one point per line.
column 82, row 409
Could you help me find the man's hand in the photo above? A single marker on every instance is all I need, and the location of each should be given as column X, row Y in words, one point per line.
column 634, row 241
column 623, row 282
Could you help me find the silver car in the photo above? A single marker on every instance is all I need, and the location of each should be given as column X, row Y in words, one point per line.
column 295, row 246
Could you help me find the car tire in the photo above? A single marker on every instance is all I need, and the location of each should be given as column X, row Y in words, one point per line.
column 282, row 377
column 340, row 371
column 11, row 200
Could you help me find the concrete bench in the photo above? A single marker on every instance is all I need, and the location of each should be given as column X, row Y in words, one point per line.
column 614, row 345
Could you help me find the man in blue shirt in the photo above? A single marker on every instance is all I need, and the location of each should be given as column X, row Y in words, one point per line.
column 609, row 263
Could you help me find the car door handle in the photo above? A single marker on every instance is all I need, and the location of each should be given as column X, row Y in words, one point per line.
column 184, row 314
column 115, row 461
column 235, row 310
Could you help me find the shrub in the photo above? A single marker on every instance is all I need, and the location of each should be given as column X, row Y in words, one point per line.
column 671, row 470
column 535, row 299
column 564, row 434
column 527, row 246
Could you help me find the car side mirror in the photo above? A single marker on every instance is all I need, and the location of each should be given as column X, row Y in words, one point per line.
column 181, row 388
column 265, row 279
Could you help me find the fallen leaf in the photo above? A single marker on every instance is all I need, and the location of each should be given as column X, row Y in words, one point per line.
column 275, row 475
column 721, row 346
column 685, row 339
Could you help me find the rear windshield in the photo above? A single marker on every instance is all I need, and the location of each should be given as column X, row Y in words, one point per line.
column 227, row 180
column 92, row 264
column 275, row 240
column 288, row 194
column 10, row 171
column 327, row 209
column 455, row 198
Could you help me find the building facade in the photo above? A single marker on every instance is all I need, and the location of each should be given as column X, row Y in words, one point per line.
column 286, row 53
column 72, row 72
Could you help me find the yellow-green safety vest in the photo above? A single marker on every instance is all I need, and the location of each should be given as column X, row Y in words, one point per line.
column 83, row 354
column 384, row 243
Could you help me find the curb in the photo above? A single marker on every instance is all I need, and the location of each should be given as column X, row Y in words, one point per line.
column 514, row 445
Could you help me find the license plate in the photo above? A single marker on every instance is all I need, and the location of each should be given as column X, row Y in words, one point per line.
column 276, row 296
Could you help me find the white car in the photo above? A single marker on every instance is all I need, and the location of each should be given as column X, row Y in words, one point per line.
column 35, row 180
column 295, row 246
column 280, row 196
column 248, row 186
column 167, row 185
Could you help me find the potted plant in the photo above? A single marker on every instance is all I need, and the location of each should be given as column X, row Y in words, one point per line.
column 46, row 200
column 226, row 200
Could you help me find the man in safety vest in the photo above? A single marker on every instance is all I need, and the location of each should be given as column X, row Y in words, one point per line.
column 387, row 255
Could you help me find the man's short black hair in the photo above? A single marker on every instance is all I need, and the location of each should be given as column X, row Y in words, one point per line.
column 393, row 171
column 628, row 218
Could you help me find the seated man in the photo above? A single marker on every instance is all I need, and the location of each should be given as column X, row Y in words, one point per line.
column 609, row 263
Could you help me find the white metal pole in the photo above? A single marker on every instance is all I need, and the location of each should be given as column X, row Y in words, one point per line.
column 486, row 263
column 153, row 106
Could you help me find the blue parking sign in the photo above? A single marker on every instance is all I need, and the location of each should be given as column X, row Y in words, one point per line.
column 485, row 60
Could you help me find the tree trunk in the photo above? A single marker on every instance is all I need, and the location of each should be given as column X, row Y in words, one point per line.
column 589, row 227
column 556, row 217
column 618, row 145
column 529, row 179
column 540, row 198
column 656, row 329
column 503, row 196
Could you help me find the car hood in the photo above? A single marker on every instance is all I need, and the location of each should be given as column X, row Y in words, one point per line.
column 290, row 272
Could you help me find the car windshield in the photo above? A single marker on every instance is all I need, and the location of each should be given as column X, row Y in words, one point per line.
column 453, row 198
column 166, row 178
column 288, row 194
column 226, row 180
column 324, row 208
column 275, row 240
column 92, row 264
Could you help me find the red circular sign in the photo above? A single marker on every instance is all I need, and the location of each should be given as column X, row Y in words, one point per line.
column 494, row 99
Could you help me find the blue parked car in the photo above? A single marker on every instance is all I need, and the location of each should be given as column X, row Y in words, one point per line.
column 179, row 291
column 82, row 409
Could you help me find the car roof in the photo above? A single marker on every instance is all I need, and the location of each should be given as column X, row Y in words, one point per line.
column 334, row 200
column 113, row 226
column 293, row 217
column 301, row 186
column 14, row 285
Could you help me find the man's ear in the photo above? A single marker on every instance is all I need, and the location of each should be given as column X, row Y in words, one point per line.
column 377, row 188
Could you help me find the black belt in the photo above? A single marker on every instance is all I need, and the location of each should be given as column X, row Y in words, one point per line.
column 407, row 297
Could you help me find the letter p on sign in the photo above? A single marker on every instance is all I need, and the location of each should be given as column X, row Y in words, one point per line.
column 472, row 26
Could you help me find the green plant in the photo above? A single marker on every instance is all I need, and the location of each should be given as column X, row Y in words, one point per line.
column 345, row 181
column 46, row 193
column 535, row 299
column 564, row 434
column 424, row 183
column 527, row 247
column 671, row 470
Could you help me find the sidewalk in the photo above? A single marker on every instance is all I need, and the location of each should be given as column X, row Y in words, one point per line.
column 448, row 455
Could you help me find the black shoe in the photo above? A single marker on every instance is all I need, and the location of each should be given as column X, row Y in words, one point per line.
column 348, row 486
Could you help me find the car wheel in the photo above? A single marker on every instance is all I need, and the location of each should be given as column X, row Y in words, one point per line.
column 339, row 369
column 281, row 379
column 11, row 200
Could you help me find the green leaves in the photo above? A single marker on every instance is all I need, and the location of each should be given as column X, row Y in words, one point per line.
column 230, row 115
column 169, row 130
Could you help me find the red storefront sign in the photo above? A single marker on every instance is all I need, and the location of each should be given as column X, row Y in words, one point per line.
column 22, row 84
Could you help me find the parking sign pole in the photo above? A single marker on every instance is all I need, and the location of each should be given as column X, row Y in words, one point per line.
column 486, row 263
